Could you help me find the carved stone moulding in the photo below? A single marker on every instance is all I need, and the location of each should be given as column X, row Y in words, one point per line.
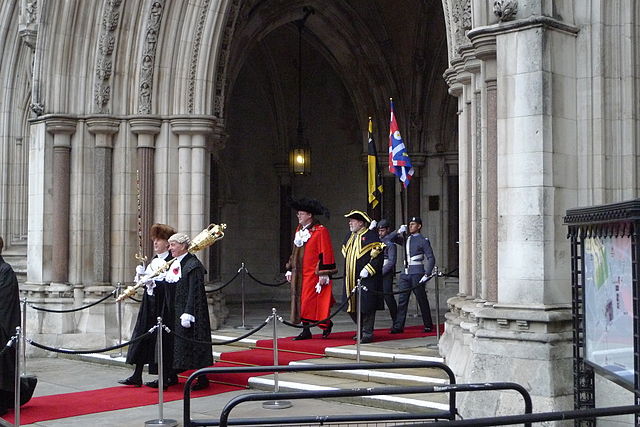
column 505, row 10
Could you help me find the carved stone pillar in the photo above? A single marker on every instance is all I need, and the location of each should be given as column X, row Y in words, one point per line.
column 103, row 129
column 61, row 129
column 146, row 128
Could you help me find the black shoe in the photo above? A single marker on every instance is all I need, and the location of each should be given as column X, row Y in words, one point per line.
column 131, row 381
column 173, row 380
column 428, row 328
column 154, row 384
column 200, row 384
column 304, row 335
column 396, row 330
column 366, row 339
column 326, row 332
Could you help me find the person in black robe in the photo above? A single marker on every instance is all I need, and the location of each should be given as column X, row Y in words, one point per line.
column 157, row 301
column 191, row 318
column 361, row 249
column 9, row 320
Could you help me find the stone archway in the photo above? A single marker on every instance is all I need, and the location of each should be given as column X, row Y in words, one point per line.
column 362, row 54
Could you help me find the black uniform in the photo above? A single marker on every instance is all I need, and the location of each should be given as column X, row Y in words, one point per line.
column 356, row 250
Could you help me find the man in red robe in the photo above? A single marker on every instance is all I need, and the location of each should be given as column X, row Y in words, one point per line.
column 310, row 268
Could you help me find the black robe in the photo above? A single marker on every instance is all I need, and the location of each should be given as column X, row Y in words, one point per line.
column 191, row 298
column 160, row 304
column 9, row 320
column 357, row 251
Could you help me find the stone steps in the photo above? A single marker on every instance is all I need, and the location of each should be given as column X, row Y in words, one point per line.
column 363, row 378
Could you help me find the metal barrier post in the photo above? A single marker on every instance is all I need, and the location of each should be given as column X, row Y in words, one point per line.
column 359, row 320
column 242, row 270
column 16, row 389
column 23, row 343
column 437, row 274
column 160, row 421
column 275, row 404
column 119, row 318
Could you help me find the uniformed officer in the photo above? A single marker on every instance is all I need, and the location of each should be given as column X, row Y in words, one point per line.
column 389, row 267
column 419, row 262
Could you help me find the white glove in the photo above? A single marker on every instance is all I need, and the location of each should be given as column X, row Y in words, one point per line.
column 150, row 285
column 287, row 276
column 318, row 288
column 424, row 279
column 323, row 279
column 364, row 273
column 140, row 270
column 373, row 224
column 402, row 229
column 186, row 320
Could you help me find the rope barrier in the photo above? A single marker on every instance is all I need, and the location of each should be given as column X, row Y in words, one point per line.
column 10, row 343
column 101, row 350
column 135, row 299
column 251, row 332
column 274, row 285
column 311, row 325
column 225, row 285
column 48, row 310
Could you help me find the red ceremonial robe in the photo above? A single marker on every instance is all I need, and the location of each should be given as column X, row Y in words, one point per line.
column 307, row 262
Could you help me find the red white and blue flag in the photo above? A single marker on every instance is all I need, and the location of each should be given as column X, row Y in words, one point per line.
column 399, row 161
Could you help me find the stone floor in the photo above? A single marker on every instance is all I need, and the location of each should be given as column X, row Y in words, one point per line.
column 64, row 375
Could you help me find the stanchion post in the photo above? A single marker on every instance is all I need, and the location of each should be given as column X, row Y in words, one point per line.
column 23, row 334
column 16, row 389
column 119, row 318
column 436, row 275
column 161, row 421
column 242, row 272
column 275, row 404
column 359, row 320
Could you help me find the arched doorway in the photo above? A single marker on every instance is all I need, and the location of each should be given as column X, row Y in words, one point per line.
column 354, row 58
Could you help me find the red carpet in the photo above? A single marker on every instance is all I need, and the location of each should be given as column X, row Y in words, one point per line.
column 106, row 399
column 113, row 398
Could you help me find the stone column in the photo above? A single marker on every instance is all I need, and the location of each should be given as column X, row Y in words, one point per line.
column 485, row 50
column 61, row 128
column 193, row 173
column 103, row 128
column 146, row 128
column 461, row 90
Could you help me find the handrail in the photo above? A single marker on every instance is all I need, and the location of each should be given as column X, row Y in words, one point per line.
column 305, row 368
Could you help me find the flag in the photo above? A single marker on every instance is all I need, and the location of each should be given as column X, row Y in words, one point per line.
column 399, row 161
column 374, row 183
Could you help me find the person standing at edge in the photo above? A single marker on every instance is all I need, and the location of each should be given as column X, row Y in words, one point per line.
column 388, row 267
column 419, row 262
column 360, row 249
column 310, row 268
column 191, row 319
column 153, row 305
column 9, row 320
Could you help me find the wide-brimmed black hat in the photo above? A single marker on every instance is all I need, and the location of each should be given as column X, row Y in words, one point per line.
column 312, row 206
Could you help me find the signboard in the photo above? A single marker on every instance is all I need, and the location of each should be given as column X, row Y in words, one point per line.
column 608, row 305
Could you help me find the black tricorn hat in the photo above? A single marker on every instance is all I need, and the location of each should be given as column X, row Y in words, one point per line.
column 312, row 206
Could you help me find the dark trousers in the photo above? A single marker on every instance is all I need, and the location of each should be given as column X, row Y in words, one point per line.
column 389, row 299
column 407, row 281
column 367, row 321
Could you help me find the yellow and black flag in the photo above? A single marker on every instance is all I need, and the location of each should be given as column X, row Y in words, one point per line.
column 374, row 177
